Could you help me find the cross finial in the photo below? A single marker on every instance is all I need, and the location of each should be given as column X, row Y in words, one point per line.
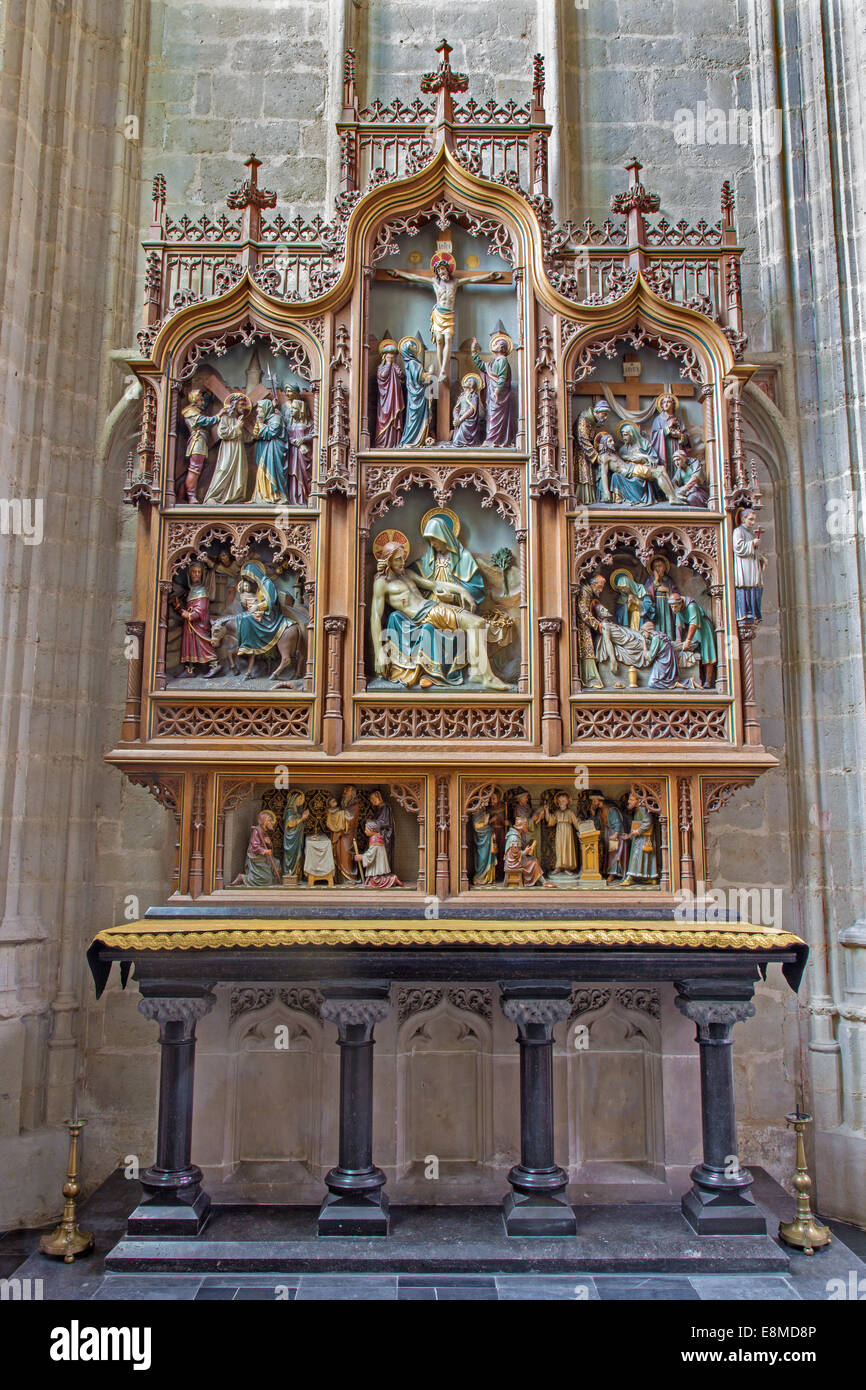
column 634, row 167
column 254, row 165
column 444, row 79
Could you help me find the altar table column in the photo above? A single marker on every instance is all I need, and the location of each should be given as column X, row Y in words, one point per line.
column 536, row 1206
column 719, row 1201
column 174, row 1203
column 355, row 1204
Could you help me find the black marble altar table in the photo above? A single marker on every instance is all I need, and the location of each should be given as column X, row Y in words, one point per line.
column 179, row 954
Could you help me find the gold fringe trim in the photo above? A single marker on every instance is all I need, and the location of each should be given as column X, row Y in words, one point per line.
column 141, row 936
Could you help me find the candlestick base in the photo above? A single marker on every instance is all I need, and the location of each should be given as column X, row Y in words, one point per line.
column 66, row 1241
column 805, row 1232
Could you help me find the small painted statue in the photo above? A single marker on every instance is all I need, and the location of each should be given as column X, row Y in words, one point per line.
column 300, row 431
column 391, row 400
column 271, row 455
column 417, row 419
column 230, row 480
column 296, row 817
column 499, row 430
column 609, row 820
column 694, row 633
column 642, row 860
column 520, row 856
column 342, row 821
column 261, row 869
column 668, row 432
column 748, row 568
column 586, row 460
column 198, row 423
column 374, row 860
column 196, row 645
column 567, row 826
column 468, row 415
column 485, row 848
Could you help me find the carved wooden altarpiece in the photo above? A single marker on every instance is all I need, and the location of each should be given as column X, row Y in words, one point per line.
column 439, row 656
column 294, row 312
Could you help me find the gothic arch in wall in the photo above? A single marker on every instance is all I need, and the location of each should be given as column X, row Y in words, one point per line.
column 614, row 1081
column 444, row 1088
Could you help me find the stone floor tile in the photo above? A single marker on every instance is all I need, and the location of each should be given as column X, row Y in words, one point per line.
column 743, row 1288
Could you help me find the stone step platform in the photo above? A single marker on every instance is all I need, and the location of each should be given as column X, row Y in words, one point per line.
column 638, row 1237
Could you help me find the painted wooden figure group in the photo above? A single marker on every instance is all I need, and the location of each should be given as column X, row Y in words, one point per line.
column 658, row 469
column 616, row 841
column 652, row 627
column 483, row 416
column 282, row 433
column 326, row 853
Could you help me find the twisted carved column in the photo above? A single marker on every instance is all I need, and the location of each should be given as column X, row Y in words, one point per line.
column 536, row 1206
column 355, row 1204
column 751, row 724
column 131, row 730
column 174, row 1203
column 551, row 718
column 719, row 1201
column 332, row 735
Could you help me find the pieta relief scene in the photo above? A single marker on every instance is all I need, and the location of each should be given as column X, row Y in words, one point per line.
column 432, row 825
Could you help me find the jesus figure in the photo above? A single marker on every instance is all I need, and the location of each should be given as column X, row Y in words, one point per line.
column 444, row 282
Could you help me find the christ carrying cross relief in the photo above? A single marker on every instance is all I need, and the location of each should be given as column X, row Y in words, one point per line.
column 444, row 279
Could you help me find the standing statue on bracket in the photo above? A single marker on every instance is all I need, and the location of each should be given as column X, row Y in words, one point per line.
column 196, row 450
column 748, row 567
column 500, row 404
column 444, row 279
column 417, row 419
column 391, row 401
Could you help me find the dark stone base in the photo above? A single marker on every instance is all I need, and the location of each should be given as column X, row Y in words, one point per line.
column 723, row 1214
column 161, row 1218
column 354, row 1216
column 538, row 1215
column 635, row 1238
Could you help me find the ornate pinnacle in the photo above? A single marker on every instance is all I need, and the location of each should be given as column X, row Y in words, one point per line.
column 635, row 198
column 538, row 79
column 248, row 194
column 444, row 79
column 349, row 66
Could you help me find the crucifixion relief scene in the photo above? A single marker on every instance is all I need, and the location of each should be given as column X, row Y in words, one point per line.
column 432, row 831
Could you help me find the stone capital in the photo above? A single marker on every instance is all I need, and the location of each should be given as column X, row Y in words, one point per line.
column 714, row 1019
column 355, row 1013
column 185, row 1010
column 540, row 1012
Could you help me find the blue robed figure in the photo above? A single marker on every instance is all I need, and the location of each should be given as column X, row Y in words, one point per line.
column 416, row 421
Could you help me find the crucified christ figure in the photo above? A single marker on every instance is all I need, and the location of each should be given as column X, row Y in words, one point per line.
column 444, row 279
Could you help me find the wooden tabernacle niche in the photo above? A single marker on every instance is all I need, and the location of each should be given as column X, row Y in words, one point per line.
column 447, row 569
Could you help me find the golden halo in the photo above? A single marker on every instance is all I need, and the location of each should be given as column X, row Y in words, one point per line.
column 416, row 342
column 659, row 556
column 271, row 818
column 443, row 258
column 387, row 345
column 615, row 575
column 441, row 511
column 663, row 397
column 472, row 376
column 501, row 336
column 238, row 396
column 385, row 537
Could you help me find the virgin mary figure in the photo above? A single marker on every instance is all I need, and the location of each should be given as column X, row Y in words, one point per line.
column 417, row 418
column 446, row 564
column 262, row 624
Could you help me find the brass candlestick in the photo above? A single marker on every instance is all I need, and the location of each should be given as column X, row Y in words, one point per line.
column 67, row 1240
column 804, row 1232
